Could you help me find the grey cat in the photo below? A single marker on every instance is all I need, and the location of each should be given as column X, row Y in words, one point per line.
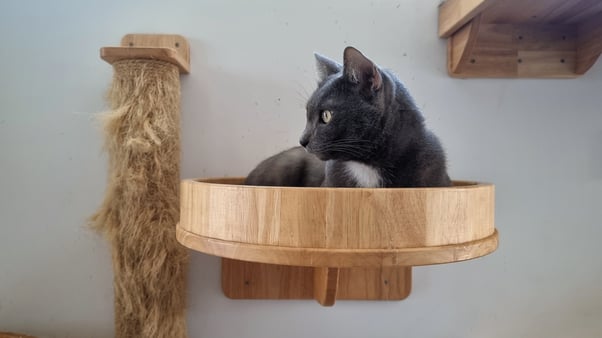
column 367, row 130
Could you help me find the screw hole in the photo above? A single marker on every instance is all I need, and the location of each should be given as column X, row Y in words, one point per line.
column 177, row 44
column 386, row 282
column 520, row 37
column 473, row 60
column 247, row 282
column 520, row 60
column 564, row 37
column 561, row 60
column 131, row 44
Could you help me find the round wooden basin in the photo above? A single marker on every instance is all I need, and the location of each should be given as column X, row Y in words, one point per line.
column 337, row 227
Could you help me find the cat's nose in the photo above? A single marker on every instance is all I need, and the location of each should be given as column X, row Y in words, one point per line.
column 304, row 141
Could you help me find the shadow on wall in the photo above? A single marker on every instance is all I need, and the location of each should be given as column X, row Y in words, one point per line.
column 73, row 318
column 595, row 164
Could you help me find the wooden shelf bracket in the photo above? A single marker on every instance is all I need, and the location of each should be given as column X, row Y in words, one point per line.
column 170, row 48
column 251, row 280
column 521, row 39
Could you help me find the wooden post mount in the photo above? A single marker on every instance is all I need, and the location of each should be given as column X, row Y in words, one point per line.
column 165, row 47
column 521, row 39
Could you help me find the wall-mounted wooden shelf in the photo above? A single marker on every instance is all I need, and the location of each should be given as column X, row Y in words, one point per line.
column 521, row 38
column 170, row 48
column 332, row 243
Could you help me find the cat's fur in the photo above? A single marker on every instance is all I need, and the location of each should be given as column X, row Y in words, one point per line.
column 294, row 167
column 376, row 136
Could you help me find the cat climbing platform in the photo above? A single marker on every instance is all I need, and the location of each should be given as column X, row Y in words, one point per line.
column 521, row 38
column 332, row 243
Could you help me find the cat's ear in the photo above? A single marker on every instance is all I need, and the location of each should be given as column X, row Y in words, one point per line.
column 359, row 69
column 326, row 66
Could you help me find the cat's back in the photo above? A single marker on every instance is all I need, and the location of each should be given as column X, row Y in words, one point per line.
column 293, row 167
column 431, row 166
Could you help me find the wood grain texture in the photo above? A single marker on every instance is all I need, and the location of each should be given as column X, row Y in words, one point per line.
column 589, row 44
column 541, row 11
column 518, row 51
column 248, row 280
column 380, row 283
column 326, row 283
column 14, row 335
column 453, row 14
column 337, row 227
column 272, row 254
column 523, row 39
column 174, row 41
column 332, row 243
column 164, row 47
column 461, row 45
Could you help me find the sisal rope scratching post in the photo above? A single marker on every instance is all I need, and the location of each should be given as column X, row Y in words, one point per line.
column 141, row 207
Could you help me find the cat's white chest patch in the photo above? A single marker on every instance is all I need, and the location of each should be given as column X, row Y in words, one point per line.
column 365, row 175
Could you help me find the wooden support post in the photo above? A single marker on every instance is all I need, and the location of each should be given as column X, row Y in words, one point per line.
column 326, row 282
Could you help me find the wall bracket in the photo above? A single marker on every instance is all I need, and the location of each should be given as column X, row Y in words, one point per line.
column 170, row 48
column 250, row 280
column 521, row 39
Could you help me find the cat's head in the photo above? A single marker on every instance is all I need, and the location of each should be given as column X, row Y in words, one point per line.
column 347, row 112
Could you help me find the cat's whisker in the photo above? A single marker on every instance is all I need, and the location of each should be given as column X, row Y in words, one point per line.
column 353, row 151
column 302, row 92
column 339, row 145
column 357, row 147
column 359, row 144
column 353, row 141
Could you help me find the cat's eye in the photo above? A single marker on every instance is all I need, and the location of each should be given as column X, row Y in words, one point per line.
column 326, row 116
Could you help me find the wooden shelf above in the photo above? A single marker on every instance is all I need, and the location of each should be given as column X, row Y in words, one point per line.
column 328, row 237
column 164, row 47
column 521, row 38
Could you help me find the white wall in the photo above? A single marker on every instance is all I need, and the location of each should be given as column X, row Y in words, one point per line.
column 252, row 67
